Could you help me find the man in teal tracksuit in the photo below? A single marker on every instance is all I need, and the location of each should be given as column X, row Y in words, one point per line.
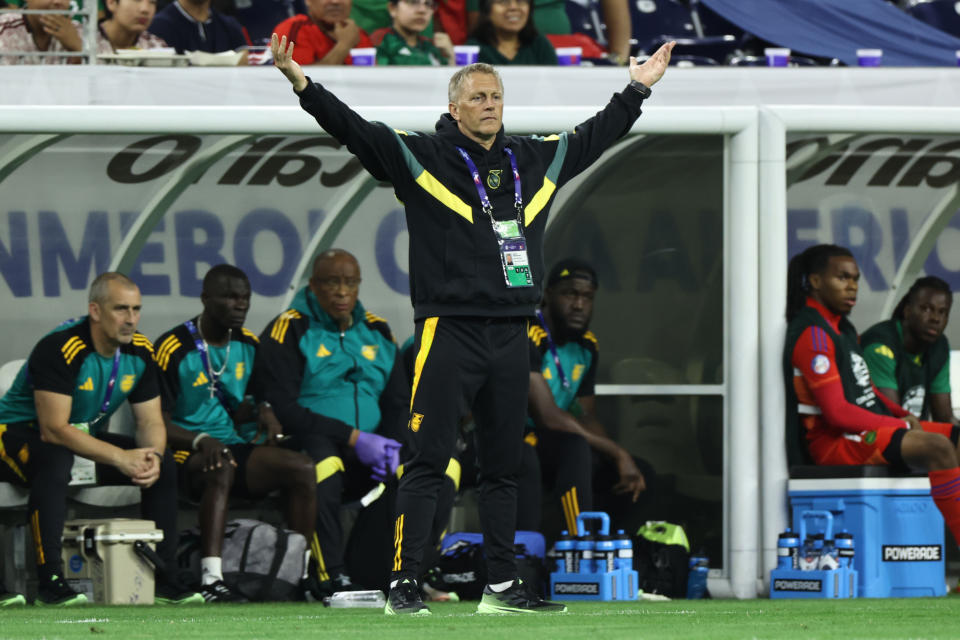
column 336, row 390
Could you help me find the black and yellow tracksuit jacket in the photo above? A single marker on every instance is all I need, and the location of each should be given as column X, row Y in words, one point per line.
column 455, row 267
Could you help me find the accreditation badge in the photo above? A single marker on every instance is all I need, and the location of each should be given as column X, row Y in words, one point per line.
column 513, row 254
column 516, row 266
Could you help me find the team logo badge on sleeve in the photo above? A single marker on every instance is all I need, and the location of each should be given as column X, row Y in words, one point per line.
column 820, row 364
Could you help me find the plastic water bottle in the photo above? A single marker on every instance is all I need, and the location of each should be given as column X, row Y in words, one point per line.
column 788, row 550
column 845, row 548
column 697, row 577
column 829, row 556
column 606, row 554
column 566, row 553
column 585, row 550
column 624, row 551
column 356, row 600
column 810, row 555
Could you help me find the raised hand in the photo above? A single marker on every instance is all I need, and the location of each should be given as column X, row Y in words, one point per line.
column 283, row 60
column 654, row 67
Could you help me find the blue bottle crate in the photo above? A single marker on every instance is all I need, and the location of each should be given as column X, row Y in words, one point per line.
column 796, row 583
column 619, row 584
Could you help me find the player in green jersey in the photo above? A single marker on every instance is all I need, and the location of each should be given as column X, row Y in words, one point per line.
column 908, row 355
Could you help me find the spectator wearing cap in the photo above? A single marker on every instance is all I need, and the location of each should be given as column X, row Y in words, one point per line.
column 566, row 449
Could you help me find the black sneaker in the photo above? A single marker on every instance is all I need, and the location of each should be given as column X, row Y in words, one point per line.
column 404, row 599
column 55, row 592
column 10, row 599
column 517, row 598
column 166, row 592
column 220, row 592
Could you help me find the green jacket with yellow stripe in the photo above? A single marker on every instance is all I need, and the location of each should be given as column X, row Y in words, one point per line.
column 455, row 262
column 318, row 377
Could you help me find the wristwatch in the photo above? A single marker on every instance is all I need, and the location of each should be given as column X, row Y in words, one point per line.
column 641, row 88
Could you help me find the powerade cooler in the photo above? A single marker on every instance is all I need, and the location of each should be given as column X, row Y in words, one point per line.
column 897, row 529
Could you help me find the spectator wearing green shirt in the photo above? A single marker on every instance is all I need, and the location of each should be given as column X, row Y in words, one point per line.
column 405, row 44
column 908, row 355
column 507, row 35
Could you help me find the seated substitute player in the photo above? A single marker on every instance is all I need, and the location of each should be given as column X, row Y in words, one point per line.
column 207, row 369
column 563, row 364
column 908, row 355
column 835, row 414
column 331, row 366
column 59, row 406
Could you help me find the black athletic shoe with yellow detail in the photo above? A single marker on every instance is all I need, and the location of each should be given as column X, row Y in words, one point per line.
column 404, row 599
column 517, row 598
column 55, row 592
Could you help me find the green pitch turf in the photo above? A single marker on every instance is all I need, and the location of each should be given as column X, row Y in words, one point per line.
column 709, row 619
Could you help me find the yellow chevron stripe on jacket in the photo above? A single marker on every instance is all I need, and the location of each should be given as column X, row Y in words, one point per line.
column 536, row 334
column 435, row 188
column 282, row 323
column 71, row 348
column 539, row 201
column 589, row 336
column 251, row 335
column 141, row 340
column 162, row 355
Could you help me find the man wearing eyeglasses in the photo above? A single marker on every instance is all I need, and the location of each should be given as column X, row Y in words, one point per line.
column 476, row 203
column 331, row 368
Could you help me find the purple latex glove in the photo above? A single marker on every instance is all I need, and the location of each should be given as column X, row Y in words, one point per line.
column 379, row 453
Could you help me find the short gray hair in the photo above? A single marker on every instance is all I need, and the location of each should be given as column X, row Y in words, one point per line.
column 456, row 82
column 100, row 288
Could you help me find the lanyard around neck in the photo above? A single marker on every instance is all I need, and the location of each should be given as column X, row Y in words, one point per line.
column 111, row 383
column 482, row 192
column 553, row 351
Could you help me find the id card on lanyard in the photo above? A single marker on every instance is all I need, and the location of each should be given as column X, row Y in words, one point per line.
column 509, row 233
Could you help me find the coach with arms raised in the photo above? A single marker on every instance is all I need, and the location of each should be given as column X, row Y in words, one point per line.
column 476, row 203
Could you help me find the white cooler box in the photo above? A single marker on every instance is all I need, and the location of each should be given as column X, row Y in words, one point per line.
column 99, row 559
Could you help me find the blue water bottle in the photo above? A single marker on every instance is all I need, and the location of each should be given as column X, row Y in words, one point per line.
column 606, row 554
column 585, row 550
column 788, row 550
column 845, row 550
column 624, row 551
column 697, row 577
column 566, row 553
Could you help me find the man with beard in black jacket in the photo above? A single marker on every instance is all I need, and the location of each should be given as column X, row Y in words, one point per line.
column 476, row 203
